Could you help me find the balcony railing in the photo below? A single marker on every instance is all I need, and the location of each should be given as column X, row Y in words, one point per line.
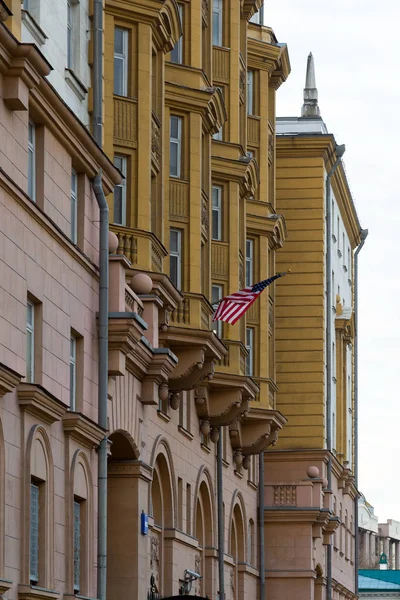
column 142, row 248
column 221, row 63
column 125, row 121
column 253, row 131
column 194, row 312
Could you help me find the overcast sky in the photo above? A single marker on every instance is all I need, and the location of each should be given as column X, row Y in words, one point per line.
column 355, row 44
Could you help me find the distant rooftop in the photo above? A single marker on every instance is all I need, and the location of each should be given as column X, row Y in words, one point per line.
column 377, row 580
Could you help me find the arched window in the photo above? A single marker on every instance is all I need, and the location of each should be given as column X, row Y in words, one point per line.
column 39, row 510
column 81, row 521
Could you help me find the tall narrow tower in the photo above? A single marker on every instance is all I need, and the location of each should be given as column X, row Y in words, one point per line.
column 310, row 106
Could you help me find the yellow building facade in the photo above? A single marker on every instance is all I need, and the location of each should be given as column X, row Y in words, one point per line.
column 310, row 491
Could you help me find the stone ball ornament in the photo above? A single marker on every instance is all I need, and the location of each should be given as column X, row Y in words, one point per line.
column 141, row 283
column 313, row 472
column 112, row 242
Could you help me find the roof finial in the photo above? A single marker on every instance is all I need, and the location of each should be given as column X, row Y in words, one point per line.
column 310, row 107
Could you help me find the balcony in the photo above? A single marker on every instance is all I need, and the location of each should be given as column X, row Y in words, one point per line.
column 234, row 360
column 224, row 399
column 220, row 260
column 142, row 248
column 256, row 431
column 187, row 333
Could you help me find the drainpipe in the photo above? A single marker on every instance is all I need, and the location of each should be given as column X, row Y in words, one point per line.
column 363, row 235
column 97, row 114
column 220, row 508
column 97, row 125
column 102, row 392
column 261, row 521
column 340, row 150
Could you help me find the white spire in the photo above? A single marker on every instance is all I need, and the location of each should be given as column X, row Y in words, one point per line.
column 310, row 107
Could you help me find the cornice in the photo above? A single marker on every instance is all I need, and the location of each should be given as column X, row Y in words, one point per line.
column 207, row 101
column 9, row 379
column 250, row 7
column 323, row 146
column 37, row 401
column 81, row 429
column 243, row 171
column 161, row 15
column 262, row 221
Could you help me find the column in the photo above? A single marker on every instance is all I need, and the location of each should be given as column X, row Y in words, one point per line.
column 397, row 555
column 386, row 546
column 390, row 557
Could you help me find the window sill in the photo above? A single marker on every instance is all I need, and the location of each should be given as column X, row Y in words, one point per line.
column 32, row 26
column 77, row 595
column 225, row 463
column 31, row 592
column 164, row 416
column 251, row 484
column 82, row 430
column 75, row 84
column 185, row 432
column 5, row 585
column 205, row 448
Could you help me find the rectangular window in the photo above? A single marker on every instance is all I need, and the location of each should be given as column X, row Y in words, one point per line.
column 30, row 342
column 216, row 212
column 72, row 373
column 177, row 52
column 77, row 545
column 31, row 162
column 188, row 511
column 74, row 206
column 34, row 534
column 175, row 257
column 250, row 350
column 219, row 134
column 348, row 260
column 216, row 296
column 121, row 162
column 217, row 23
column 250, row 92
column 120, row 61
column 184, row 410
column 175, row 146
column 249, row 262
column 69, row 36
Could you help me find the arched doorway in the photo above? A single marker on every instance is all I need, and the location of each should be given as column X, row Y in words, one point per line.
column 237, row 551
column 123, row 519
column 162, row 511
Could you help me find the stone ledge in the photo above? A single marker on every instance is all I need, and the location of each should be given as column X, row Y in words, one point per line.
column 9, row 379
column 37, row 401
column 5, row 585
column 82, row 429
column 31, row 592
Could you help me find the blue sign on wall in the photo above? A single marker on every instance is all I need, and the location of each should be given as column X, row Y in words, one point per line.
column 144, row 523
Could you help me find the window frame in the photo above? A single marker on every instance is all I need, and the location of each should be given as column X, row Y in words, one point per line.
column 34, row 524
column 179, row 44
column 216, row 211
column 250, row 349
column 217, row 324
column 121, row 186
column 30, row 342
column 32, row 160
column 72, row 372
column 249, row 261
column 217, row 35
column 74, row 206
column 176, row 254
column 77, row 562
column 250, row 92
column 177, row 141
column 70, row 60
column 124, row 58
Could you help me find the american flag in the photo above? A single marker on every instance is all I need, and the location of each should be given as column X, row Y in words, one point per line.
column 232, row 307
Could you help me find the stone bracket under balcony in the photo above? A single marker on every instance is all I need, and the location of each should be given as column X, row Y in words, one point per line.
column 256, row 431
column 224, row 399
column 197, row 351
column 155, row 382
column 125, row 330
